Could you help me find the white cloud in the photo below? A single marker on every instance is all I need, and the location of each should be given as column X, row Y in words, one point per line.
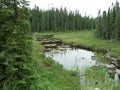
column 91, row 7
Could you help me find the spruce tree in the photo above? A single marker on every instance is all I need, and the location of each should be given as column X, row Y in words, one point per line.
column 117, row 27
column 15, row 46
column 108, row 25
column 59, row 20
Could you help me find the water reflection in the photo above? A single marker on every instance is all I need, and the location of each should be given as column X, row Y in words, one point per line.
column 71, row 57
column 116, row 77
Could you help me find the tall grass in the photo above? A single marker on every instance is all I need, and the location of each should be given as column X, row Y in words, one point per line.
column 52, row 76
column 87, row 38
column 99, row 78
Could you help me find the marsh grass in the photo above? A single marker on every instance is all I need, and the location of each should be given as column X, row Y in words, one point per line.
column 97, row 77
column 52, row 76
column 102, row 59
column 87, row 38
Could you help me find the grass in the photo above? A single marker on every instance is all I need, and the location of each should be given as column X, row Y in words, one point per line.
column 88, row 39
column 98, row 77
column 52, row 76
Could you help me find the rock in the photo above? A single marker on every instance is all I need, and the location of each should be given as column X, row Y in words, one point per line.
column 111, row 68
column 113, row 59
column 116, row 62
column 39, row 39
column 118, row 72
column 47, row 49
column 51, row 41
column 50, row 45
column 47, row 41
column 93, row 57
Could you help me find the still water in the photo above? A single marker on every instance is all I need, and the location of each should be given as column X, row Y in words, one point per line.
column 71, row 58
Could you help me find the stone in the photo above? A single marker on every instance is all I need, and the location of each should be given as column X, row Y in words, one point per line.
column 50, row 45
column 111, row 68
column 118, row 71
column 116, row 63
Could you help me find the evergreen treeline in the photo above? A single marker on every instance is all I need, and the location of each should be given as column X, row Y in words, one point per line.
column 15, row 46
column 59, row 20
column 108, row 24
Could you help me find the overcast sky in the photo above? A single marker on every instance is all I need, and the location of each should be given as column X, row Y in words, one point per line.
column 91, row 7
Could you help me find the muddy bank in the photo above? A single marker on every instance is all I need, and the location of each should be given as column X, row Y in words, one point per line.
column 49, row 39
column 88, row 48
column 66, row 54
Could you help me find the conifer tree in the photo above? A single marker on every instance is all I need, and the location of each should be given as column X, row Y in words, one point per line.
column 15, row 46
column 59, row 20
column 117, row 27
column 108, row 25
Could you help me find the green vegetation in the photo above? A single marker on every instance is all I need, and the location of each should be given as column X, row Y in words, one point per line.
column 95, row 76
column 108, row 24
column 51, row 75
column 88, row 39
column 15, row 46
column 23, row 65
column 59, row 20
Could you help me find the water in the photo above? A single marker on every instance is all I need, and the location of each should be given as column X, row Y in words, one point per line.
column 116, row 77
column 71, row 58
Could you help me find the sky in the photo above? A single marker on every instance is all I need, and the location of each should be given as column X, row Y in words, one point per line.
column 88, row 7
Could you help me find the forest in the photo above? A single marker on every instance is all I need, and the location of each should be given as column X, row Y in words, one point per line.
column 23, row 65
column 107, row 24
column 62, row 20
